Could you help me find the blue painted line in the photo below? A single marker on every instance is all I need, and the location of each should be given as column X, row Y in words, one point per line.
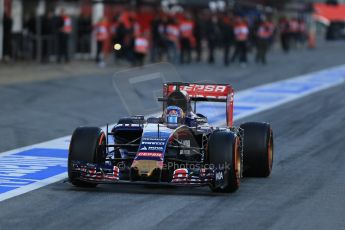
column 239, row 108
column 29, row 166
column 214, row 119
column 40, row 152
column 258, row 98
column 8, row 184
column 221, row 114
column 289, row 88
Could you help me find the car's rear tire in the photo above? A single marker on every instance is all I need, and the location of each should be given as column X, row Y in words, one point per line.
column 223, row 151
column 87, row 146
column 257, row 149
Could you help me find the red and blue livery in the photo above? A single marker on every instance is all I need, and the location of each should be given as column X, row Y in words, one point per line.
column 179, row 147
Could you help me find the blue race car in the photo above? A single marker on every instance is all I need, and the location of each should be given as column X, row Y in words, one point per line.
column 177, row 148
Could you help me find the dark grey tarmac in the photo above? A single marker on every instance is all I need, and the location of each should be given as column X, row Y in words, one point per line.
column 305, row 191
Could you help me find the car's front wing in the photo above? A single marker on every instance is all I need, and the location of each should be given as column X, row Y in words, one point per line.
column 112, row 174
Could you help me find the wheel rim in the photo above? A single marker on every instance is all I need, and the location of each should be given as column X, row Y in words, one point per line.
column 101, row 139
column 99, row 150
column 237, row 161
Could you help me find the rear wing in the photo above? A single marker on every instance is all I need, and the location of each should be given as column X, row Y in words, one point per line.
column 206, row 92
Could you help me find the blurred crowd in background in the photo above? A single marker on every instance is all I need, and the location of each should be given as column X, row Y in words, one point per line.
column 182, row 37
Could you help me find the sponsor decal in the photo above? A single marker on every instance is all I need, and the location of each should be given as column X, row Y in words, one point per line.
column 205, row 91
column 143, row 148
column 155, row 148
column 219, row 176
column 153, row 143
column 149, row 154
column 196, row 88
column 157, row 156
column 152, row 148
column 205, row 88
column 153, row 139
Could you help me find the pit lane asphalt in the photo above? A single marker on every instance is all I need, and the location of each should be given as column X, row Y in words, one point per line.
column 305, row 190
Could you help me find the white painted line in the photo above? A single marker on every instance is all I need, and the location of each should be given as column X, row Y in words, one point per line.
column 147, row 77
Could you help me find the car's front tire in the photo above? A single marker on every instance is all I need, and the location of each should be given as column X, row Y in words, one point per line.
column 223, row 150
column 87, row 146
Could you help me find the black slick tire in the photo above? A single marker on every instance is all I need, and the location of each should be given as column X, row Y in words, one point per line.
column 223, row 151
column 257, row 149
column 87, row 146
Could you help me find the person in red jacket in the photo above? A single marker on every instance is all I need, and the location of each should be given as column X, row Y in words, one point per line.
column 227, row 30
column 284, row 29
column 241, row 32
column 186, row 39
column 65, row 30
column 172, row 34
column 102, row 35
column 302, row 32
column 141, row 49
column 293, row 31
column 263, row 34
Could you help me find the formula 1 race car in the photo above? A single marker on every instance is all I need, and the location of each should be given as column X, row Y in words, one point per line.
column 177, row 148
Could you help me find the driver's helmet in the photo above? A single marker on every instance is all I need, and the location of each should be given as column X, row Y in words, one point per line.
column 174, row 116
